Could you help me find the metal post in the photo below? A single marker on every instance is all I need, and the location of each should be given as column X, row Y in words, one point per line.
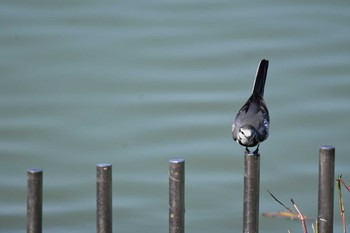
column 34, row 200
column 251, row 192
column 104, row 198
column 326, row 189
column 176, row 196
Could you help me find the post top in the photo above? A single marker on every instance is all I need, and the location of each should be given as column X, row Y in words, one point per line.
column 176, row 161
column 34, row 170
column 327, row 147
column 103, row 165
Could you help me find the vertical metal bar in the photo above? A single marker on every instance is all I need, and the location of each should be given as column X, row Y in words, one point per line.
column 251, row 192
column 326, row 189
column 104, row 197
column 176, row 196
column 34, row 200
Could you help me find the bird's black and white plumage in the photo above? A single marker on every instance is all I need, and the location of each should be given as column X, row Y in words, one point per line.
column 251, row 125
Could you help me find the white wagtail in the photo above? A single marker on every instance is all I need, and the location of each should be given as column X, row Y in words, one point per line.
column 251, row 125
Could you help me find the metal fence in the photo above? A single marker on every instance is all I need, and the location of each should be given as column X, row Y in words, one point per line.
column 177, row 195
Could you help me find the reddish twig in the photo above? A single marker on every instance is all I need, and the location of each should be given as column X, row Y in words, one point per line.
column 341, row 203
column 345, row 185
column 290, row 210
column 300, row 215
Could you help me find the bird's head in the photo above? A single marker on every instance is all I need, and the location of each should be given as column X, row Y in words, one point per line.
column 247, row 136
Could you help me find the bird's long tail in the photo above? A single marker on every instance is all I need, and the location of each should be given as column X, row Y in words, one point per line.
column 260, row 78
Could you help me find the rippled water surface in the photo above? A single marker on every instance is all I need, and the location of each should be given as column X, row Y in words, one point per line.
column 136, row 83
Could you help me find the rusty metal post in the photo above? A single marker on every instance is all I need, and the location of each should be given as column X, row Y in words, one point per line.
column 326, row 189
column 176, row 196
column 34, row 200
column 104, row 198
column 251, row 192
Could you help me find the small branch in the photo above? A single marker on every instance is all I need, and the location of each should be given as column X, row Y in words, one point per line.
column 300, row 215
column 291, row 211
column 345, row 185
column 341, row 203
column 313, row 228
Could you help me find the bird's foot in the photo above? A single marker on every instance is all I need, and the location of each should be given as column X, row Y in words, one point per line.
column 256, row 152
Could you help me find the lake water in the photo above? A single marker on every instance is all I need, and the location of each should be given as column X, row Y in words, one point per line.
column 136, row 83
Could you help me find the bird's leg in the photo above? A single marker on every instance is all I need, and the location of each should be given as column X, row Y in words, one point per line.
column 256, row 150
column 247, row 151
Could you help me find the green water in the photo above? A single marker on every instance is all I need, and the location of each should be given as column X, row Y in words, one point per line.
column 136, row 83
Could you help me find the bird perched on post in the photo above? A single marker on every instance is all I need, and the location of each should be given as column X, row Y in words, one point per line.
column 251, row 125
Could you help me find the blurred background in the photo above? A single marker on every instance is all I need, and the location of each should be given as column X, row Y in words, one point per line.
column 136, row 83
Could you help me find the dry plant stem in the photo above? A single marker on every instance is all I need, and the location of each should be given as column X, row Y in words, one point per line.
column 346, row 186
column 341, row 204
column 291, row 211
column 301, row 216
